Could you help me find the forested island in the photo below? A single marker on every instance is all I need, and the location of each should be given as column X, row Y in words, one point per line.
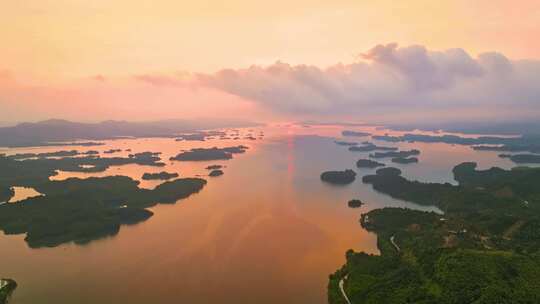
column 395, row 154
column 214, row 167
column 369, row 147
column 483, row 249
column 339, row 177
column 215, row 173
column 345, row 143
column 404, row 160
column 159, row 176
column 525, row 158
column 202, row 154
column 102, row 204
column 355, row 203
column 368, row 163
column 354, row 133
column 524, row 143
column 7, row 286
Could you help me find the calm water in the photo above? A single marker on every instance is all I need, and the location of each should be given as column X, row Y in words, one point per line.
column 268, row 231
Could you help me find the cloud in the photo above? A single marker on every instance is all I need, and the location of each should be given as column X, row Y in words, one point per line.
column 387, row 83
column 391, row 80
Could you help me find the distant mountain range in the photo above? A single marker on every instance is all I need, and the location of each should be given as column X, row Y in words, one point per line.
column 57, row 130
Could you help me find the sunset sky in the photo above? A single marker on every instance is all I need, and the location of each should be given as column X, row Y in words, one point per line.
column 144, row 60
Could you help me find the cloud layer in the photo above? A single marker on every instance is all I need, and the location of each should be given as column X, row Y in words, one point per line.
column 386, row 84
column 389, row 80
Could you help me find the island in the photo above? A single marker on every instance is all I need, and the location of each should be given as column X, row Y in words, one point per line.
column 395, row 154
column 63, row 153
column 339, row 177
column 215, row 173
column 404, row 160
column 7, row 286
column 484, row 248
column 369, row 147
column 159, row 176
column 192, row 137
column 111, row 151
column 517, row 147
column 102, row 204
column 214, row 167
column 345, row 143
column 355, row 203
column 524, row 143
column 525, row 158
column 354, row 133
column 204, row 154
column 368, row 163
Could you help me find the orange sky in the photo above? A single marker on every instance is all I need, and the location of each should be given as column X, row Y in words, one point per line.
column 78, row 38
column 51, row 42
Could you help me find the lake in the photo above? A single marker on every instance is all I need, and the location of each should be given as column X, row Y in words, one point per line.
column 267, row 231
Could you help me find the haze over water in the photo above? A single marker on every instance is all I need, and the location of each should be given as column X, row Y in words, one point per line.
column 268, row 231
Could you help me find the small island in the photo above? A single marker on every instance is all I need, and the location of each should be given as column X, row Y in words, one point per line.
column 159, row 176
column 404, row 160
column 202, row 154
column 111, row 151
column 368, row 163
column 395, row 154
column 214, row 167
column 192, row 137
column 339, row 177
column 354, row 133
column 345, row 143
column 389, row 171
column 215, row 173
column 369, row 147
column 355, row 203
column 526, row 158
column 7, row 286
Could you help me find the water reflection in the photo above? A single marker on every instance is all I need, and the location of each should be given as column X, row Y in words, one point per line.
column 268, row 231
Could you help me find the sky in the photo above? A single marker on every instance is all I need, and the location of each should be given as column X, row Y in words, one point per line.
column 354, row 60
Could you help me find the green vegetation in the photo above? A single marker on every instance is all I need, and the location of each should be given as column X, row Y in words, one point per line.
column 214, row 167
column 161, row 175
column 215, row 173
column 369, row 147
column 404, row 160
column 354, row 133
column 395, row 154
column 201, row 154
column 201, row 135
column 80, row 210
column 526, row 158
column 345, row 143
column 525, row 143
column 355, row 203
column 29, row 172
column 484, row 249
column 368, row 163
column 7, row 286
column 339, row 177
column 533, row 148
